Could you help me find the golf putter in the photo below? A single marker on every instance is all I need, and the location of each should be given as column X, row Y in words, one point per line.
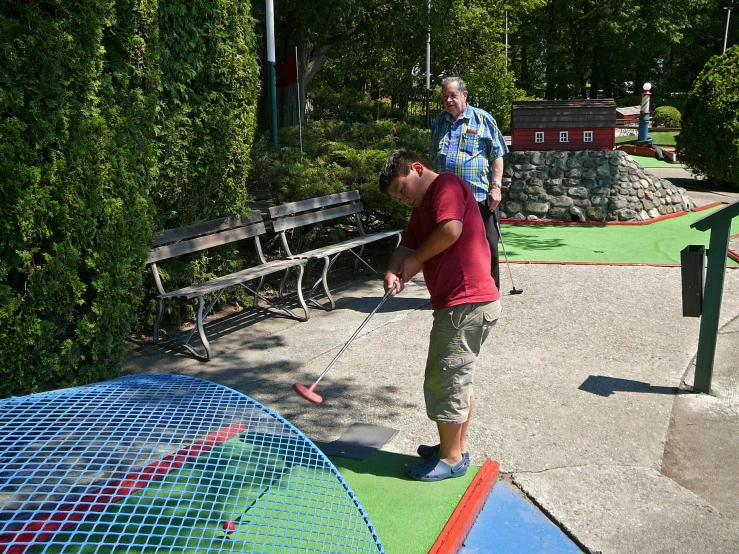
column 514, row 290
column 309, row 392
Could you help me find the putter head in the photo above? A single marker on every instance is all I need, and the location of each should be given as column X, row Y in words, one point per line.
column 308, row 393
column 514, row 290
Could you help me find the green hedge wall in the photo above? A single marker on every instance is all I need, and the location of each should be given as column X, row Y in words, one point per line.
column 75, row 218
column 205, row 125
column 116, row 118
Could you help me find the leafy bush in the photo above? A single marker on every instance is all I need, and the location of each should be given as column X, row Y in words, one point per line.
column 350, row 106
column 76, row 115
column 709, row 137
column 666, row 116
column 206, row 122
column 492, row 89
column 336, row 157
column 97, row 119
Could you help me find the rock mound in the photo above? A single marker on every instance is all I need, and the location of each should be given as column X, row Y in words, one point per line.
column 585, row 185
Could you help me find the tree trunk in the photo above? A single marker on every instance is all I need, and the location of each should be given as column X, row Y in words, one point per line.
column 288, row 102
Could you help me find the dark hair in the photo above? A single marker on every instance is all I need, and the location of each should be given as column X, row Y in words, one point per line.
column 398, row 165
column 449, row 80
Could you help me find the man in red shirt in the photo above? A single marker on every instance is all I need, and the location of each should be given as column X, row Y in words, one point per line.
column 445, row 237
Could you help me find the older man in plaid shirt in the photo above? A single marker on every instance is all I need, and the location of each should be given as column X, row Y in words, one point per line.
column 467, row 141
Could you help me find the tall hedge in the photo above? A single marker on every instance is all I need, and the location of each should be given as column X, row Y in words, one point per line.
column 709, row 136
column 207, row 109
column 205, row 124
column 75, row 117
column 117, row 117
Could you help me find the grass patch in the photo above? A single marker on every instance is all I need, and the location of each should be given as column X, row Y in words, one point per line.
column 660, row 138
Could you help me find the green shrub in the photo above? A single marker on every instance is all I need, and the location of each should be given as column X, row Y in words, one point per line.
column 350, row 106
column 76, row 115
column 666, row 116
column 709, row 137
column 206, row 121
column 336, row 157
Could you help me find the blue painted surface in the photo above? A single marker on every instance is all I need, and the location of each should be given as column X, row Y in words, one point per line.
column 508, row 523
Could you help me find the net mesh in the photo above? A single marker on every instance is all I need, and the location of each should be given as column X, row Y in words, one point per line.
column 167, row 463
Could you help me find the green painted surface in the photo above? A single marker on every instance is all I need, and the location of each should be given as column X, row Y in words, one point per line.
column 408, row 515
column 655, row 243
column 654, row 162
column 281, row 507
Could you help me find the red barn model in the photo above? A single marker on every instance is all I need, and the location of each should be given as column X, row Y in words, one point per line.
column 564, row 125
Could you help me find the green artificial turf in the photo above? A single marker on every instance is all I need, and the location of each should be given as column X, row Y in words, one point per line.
column 654, row 162
column 407, row 515
column 282, row 507
column 656, row 243
column 287, row 508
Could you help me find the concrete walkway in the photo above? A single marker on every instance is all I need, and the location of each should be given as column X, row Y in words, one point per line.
column 580, row 395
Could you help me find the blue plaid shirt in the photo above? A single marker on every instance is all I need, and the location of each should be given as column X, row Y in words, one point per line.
column 468, row 147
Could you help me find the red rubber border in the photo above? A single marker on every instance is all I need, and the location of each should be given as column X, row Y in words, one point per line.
column 455, row 531
column 96, row 501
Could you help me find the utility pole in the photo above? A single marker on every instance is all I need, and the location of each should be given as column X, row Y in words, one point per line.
column 506, row 41
column 428, row 70
column 271, row 63
column 726, row 34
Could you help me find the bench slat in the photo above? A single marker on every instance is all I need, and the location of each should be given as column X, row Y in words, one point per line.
column 313, row 203
column 239, row 277
column 204, row 228
column 290, row 222
column 202, row 243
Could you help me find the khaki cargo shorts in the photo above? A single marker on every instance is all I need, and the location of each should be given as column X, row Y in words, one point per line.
column 456, row 338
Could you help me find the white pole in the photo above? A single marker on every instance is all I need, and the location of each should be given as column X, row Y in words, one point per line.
column 428, row 69
column 428, row 52
column 297, row 85
column 506, row 40
column 270, row 32
column 271, row 66
column 726, row 35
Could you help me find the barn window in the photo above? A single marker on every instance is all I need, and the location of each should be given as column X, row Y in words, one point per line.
column 564, row 136
column 539, row 136
column 587, row 136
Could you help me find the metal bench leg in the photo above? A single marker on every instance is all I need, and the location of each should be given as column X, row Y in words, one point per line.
column 359, row 257
column 256, row 292
column 159, row 320
column 301, row 270
column 201, row 330
column 284, row 280
column 324, row 280
column 202, row 314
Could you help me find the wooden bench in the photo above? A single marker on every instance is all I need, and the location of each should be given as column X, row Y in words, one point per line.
column 293, row 215
column 173, row 243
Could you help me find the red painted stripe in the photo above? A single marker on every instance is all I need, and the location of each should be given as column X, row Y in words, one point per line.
column 96, row 501
column 458, row 527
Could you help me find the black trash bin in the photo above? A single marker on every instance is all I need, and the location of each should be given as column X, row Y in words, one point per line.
column 692, row 262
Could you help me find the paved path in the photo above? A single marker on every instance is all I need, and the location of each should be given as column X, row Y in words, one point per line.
column 579, row 396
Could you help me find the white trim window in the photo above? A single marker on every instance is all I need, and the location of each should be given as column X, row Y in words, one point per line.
column 564, row 136
column 587, row 136
column 539, row 137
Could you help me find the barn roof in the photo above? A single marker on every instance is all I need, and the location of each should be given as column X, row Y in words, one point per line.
column 545, row 114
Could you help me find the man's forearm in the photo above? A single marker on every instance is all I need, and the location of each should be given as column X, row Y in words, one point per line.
column 497, row 172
